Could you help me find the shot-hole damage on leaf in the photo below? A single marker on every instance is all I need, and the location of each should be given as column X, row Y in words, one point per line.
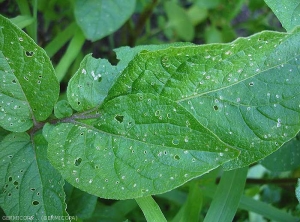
column 120, row 118
column 29, row 53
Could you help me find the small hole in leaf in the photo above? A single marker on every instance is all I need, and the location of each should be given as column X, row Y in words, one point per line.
column 78, row 161
column 176, row 157
column 16, row 183
column 29, row 53
column 78, row 103
column 35, row 202
column 99, row 79
column 32, row 189
column 9, row 194
column 14, row 81
column 216, row 107
column 9, row 179
column 251, row 83
column 119, row 118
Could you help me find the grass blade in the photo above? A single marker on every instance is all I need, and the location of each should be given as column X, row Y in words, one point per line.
column 227, row 197
column 150, row 209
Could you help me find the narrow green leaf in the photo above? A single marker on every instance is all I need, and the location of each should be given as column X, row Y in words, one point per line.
column 179, row 21
column 150, row 209
column 99, row 18
column 227, row 197
column 284, row 159
column 190, row 211
column 139, row 145
column 70, row 55
column 60, row 39
column 30, row 186
column 246, row 92
column 287, row 11
column 258, row 207
column 22, row 21
column 298, row 191
column 28, row 86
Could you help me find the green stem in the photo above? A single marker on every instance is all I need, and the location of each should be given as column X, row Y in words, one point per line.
column 150, row 209
column 227, row 197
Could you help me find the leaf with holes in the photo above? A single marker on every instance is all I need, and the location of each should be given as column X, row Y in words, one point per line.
column 246, row 92
column 90, row 84
column 138, row 145
column 28, row 85
column 287, row 11
column 29, row 185
column 99, row 18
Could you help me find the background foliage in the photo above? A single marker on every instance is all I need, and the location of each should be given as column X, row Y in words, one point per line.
column 69, row 30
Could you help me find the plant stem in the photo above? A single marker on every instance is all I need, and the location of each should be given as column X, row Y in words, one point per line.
column 150, row 209
column 145, row 15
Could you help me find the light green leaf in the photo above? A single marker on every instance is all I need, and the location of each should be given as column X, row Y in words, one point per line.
column 284, row 159
column 91, row 83
column 138, row 146
column 246, row 92
column 287, row 11
column 30, row 185
column 99, row 18
column 22, row 21
column 28, row 88
column 179, row 21
column 298, row 191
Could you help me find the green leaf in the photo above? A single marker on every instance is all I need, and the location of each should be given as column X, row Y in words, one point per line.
column 30, row 185
column 22, row 21
column 227, row 196
column 28, row 88
column 62, row 109
column 99, row 18
column 150, row 209
column 298, row 191
column 138, row 145
column 287, row 11
column 246, row 92
column 284, row 159
column 207, row 4
column 179, row 21
column 80, row 204
column 91, row 83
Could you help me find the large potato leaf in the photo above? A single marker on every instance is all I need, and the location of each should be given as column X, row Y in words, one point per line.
column 99, row 18
column 138, row 145
column 28, row 85
column 246, row 92
column 29, row 185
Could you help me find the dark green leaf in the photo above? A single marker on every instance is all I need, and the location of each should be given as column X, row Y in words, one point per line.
column 284, row 159
column 139, row 145
column 28, row 88
column 99, row 18
column 29, row 185
column 287, row 11
column 246, row 92
column 80, row 204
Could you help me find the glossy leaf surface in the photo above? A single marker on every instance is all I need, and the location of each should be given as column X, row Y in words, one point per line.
column 139, row 145
column 30, row 186
column 28, row 85
column 246, row 92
